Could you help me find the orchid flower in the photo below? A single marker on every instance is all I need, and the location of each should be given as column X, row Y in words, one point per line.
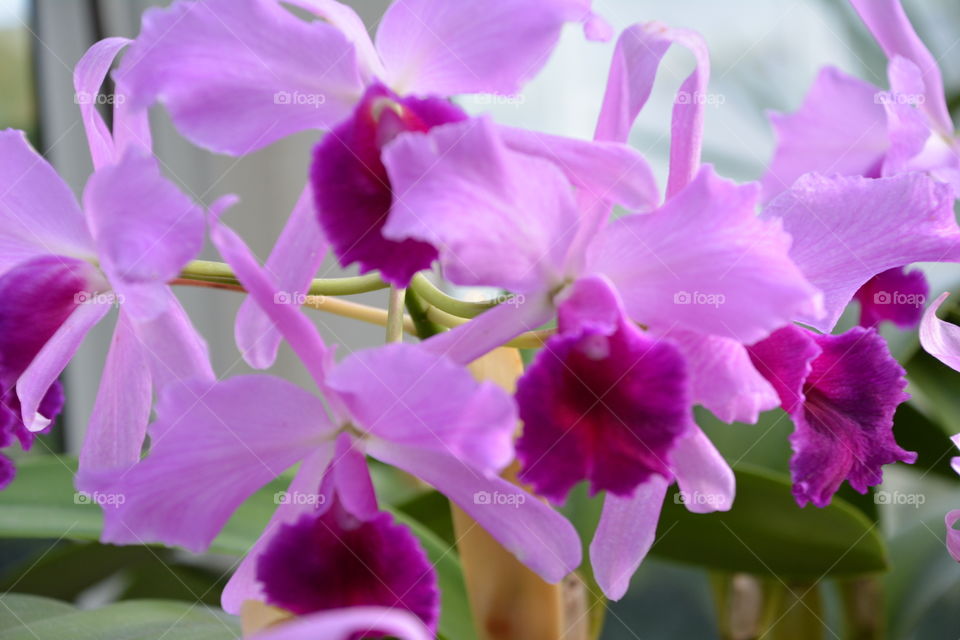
column 849, row 127
column 399, row 403
column 239, row 75
column 606, row 401
column 64, row 267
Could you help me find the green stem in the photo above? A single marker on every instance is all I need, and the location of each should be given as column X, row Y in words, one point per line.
column 220, row 273
column 418, row 313
column 436, row 298
column 395, row 315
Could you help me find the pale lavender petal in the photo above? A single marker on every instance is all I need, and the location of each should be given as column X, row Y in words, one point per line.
column 332, row 560
column 605, row 171
column 38, row 212
column 344, row 18
column 491, row 329
column 896, row 36
column 537, row 535
column 841, row 128
column 346, row 624
column 705, row 479
column 52, row 359
column 212, row 447
column 462, row 190
column 302, row 496
column 238, row 75
column 636, row 59
column 141, row 252
column 289, row 320
column 404, row 394
column 352, row 478
column 117, row 428
column 293, row 261
column 907, row 127
column 953, row 534
column 722, row 377
column 731, row 278
column 940, row 339
column 627, row 530
column 438, row 47
column 602, row 402
column 848, row 229
column 88, row 76
column 896, row 295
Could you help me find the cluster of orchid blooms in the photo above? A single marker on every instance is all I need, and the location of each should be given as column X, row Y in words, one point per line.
column 863, row 183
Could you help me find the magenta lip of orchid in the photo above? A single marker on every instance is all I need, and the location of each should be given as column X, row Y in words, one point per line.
column 716, row 294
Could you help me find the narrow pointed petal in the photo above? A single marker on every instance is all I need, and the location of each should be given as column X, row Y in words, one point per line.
column 238, row 75
column 953, row 534
column 627, row 530
column 891, row 27
column 636, row 59
column 347, row 624
column 896, row 295
column 732, row 278
column 705, row 479
column 141, row 253
column 846, row 230
column 52, row 359
column 841, row 128
column 118, row 425
column 295, row 327
column 940, row 339
column 38, row 212
column 88, row 76
column 540, row 537
column 293, row 262
column 461, row 189
column 604, row 171
column 212, row 447
column 332, row 560
column 352, row 479
column 407, row 395
column 602, row 402
column 433, row 46
column 303, row 496
column 491, row 329
column 722, row 377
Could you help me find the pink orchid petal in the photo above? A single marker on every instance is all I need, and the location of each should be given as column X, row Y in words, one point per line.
column 438, row 47
column 238, row 75
column 705, row 479
column 53, row 359
column 953, row 534
column 940, row 339
column 627, row 530
column 346, row 624
column 846, row 230
column 38, row 212
column 537, row 535
column 294, row 261
column 212, row 447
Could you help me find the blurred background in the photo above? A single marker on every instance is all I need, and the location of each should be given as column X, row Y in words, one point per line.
column 765, row 55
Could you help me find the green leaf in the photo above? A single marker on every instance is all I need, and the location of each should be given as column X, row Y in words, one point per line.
column 34, row 618
column 766, row 533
